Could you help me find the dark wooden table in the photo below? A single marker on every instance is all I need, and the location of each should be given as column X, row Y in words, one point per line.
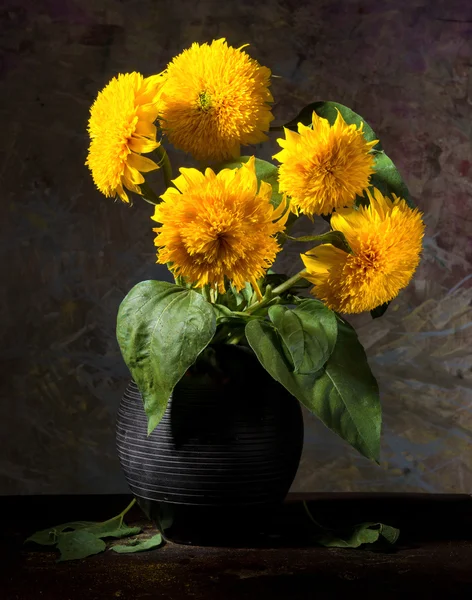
column 433, row 558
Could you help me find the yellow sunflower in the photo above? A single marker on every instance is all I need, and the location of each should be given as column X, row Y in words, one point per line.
column 386, row 239
column 324, row 168
column 214, row 100
column 121, row 129
column 217, row 226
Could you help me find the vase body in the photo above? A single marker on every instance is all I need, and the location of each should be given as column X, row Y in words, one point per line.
column 226, row 450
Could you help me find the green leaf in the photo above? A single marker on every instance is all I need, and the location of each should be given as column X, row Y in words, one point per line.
column 78, row 544
column 344, row 394
column 388, row 180
column 365, row 533
column 336, row 238
column 139, row 545
column 328, row 111
column 49, row 536
column 161, row 330
column 114, row 528
column 309, row 332
column 389, row 533
column 248, row 293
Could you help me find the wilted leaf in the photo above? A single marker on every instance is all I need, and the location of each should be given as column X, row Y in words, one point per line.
column 139, row 545
column 365, row 533
column 48, row 537
column 78, row 544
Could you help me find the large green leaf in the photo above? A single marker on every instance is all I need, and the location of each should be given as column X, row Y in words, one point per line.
column 347, row 395
column 344, row 394
column 161, row 330
column 309, row 332
column 328, row 111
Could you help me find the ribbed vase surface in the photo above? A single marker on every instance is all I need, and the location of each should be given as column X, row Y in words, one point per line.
column 231, row 436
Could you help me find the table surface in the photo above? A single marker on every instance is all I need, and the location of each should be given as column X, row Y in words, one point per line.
column 432, row 559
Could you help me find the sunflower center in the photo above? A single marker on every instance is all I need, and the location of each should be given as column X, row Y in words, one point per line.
column 369, row 260
column 204, row 101
column 327, row 169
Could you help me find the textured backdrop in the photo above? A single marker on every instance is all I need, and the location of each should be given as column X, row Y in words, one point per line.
column 69, row 255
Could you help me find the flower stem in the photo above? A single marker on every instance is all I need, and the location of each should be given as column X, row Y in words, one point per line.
column 148, row 194
column 165, row 165
column 310, row 516
column 122, row 513
column 128, row 508
column 280, row 289
column 286, row 285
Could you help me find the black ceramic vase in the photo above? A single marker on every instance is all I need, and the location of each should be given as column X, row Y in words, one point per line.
column 224, row 454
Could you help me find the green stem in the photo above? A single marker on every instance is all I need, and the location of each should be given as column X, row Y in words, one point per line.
column 128, row 508
column 283, row 236
column 310, row 516
column 123, row 512
column 221, row 335
column 148, row 194
column 235, row 339
column 280, row 289
column 286, row 285
column 206, row 293
column 165, row 165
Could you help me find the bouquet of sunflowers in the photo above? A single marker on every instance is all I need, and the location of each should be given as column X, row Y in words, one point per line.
column 219, row 229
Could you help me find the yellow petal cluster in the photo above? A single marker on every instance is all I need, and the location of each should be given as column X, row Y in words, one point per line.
column 215, row 99
column 218, row 227
column 121, row 129
column 386, row 239
column 324, row 167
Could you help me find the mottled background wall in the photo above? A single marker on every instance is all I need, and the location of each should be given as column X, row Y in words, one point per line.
column 70, row 255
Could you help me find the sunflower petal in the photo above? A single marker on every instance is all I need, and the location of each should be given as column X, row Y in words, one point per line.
column 148, row 112
column 141, row 144
column 146, row 129
column 265, row 191
column 122, row 194
column 188, row 177
column 141, row 163
column 132, row 175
